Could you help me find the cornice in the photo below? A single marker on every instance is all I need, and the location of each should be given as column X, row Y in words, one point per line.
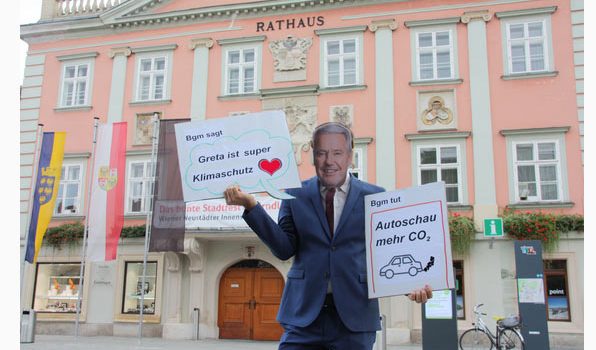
column 290, row 91
column 340, row 30
column 432, row 22
column 432, row 135
column 526, row 12
column 556, row 129
column 242, row 40
column 78, row 56
column 132, row 15
column 143, row 49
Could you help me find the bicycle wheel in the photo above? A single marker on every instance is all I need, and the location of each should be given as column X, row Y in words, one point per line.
column 475, row 339
column 510, row 339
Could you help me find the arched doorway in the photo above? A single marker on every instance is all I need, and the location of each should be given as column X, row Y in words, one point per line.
column 249, row 296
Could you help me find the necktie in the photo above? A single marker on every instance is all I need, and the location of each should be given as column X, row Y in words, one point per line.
column 329, row 208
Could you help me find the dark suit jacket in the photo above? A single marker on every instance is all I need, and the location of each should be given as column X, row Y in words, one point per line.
column 303, row 233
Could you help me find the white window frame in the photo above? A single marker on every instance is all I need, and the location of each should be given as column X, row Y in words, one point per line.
column 553, row 134
column 525, row 16
column 241, row 65
column 153, row 73
column 341, row 57
column 527, row 40
column 439, row 166
column 357, row 163
column 63, row 182
column 76, row 81
column 434, row 49
column 537, row 163
column 147, row 185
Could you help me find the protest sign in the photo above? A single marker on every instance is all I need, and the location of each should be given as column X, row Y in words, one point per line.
column 407, row 241
column 253, row 151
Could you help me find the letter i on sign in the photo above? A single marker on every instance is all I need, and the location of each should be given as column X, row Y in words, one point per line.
column 493, row 227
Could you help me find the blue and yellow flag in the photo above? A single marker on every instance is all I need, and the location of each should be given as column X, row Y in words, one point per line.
column 49, row 170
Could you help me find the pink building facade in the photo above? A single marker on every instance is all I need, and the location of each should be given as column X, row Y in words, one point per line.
column 484, row 95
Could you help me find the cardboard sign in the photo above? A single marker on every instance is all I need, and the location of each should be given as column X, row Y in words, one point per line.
column 407, row 241
column 253, row 151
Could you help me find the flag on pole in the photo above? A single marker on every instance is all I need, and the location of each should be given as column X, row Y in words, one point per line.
column 106, row 206
column 169, row 208
column 47, row 183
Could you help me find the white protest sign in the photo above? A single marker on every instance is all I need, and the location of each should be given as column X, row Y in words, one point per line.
column 253, row 151
column 407, row 241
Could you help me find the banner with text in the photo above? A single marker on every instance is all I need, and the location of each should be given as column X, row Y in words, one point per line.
column 407, row 241
column 210, row 214
column 253, row 151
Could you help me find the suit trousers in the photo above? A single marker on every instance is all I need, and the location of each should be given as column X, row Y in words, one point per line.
column 326, row 332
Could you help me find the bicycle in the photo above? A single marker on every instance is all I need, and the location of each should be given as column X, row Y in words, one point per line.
column 507, row 335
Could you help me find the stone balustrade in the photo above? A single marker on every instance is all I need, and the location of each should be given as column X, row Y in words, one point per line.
column 52, row 9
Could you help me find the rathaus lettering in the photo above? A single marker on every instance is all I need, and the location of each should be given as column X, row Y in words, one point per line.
column 290, row 23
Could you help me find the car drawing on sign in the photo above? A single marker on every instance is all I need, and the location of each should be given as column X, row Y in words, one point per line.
column 401, row 264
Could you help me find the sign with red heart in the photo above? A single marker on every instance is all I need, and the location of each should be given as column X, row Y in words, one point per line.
column 270, row 167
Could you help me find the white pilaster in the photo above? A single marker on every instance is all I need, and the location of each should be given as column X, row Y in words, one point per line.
column 120, row 56
column 200, row 77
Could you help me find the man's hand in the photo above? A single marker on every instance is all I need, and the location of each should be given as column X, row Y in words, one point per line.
column 235, row 196
column 421, row 295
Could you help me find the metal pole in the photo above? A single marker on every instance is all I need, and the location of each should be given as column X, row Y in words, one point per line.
column 86, row 233
column 383, row 332
column 148, row 222
column 31, row 198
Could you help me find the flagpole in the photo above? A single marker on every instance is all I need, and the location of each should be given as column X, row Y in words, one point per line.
column 148, row 222
column 86, row 233
column 31, row 199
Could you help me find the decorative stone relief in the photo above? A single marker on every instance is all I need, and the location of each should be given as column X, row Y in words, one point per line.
column 289, row 58
column 342, row 114
column 144, row 129
column 436, row 110
column 172, row 261
column 301, row 117
column 195, row 251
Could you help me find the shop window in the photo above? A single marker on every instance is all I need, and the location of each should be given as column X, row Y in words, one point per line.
column 134, row 285
column 557, row 290
column 458, row 265
column 56, row 287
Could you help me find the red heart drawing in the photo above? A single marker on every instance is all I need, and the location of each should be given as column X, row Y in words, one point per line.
column 270, row 167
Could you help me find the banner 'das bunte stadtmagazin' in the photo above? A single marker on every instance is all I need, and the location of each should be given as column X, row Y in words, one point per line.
column 106, row 212
column 46, row 189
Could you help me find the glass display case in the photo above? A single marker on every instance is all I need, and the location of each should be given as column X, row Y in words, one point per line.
column 134, row 285
column 56, row 287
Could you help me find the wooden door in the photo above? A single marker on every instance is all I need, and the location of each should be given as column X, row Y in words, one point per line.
column 268, row 287
column 235, row 293
column 248, row 302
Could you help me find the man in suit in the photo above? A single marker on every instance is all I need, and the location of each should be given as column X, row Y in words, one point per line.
column 325, row 302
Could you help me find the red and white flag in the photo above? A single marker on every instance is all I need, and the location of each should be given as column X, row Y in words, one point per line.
column 106, row 212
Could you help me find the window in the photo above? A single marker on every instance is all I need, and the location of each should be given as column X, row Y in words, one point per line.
column 527, row 42
column 556, row 289
column 140, row 185
column 527, row 47
column 441, row 163
column 133, row 287
column 537, row 171
column 68, row 199
column 434, row 55
column 151, row 78
column 241, row 71
column 460, row 303
column 357, row 163
column 75, row 84
column 341, row 62
column 56, row 287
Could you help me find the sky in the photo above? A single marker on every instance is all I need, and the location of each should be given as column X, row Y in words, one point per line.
column 29, row 12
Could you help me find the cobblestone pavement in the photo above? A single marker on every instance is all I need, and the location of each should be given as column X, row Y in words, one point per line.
column 58, row 342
